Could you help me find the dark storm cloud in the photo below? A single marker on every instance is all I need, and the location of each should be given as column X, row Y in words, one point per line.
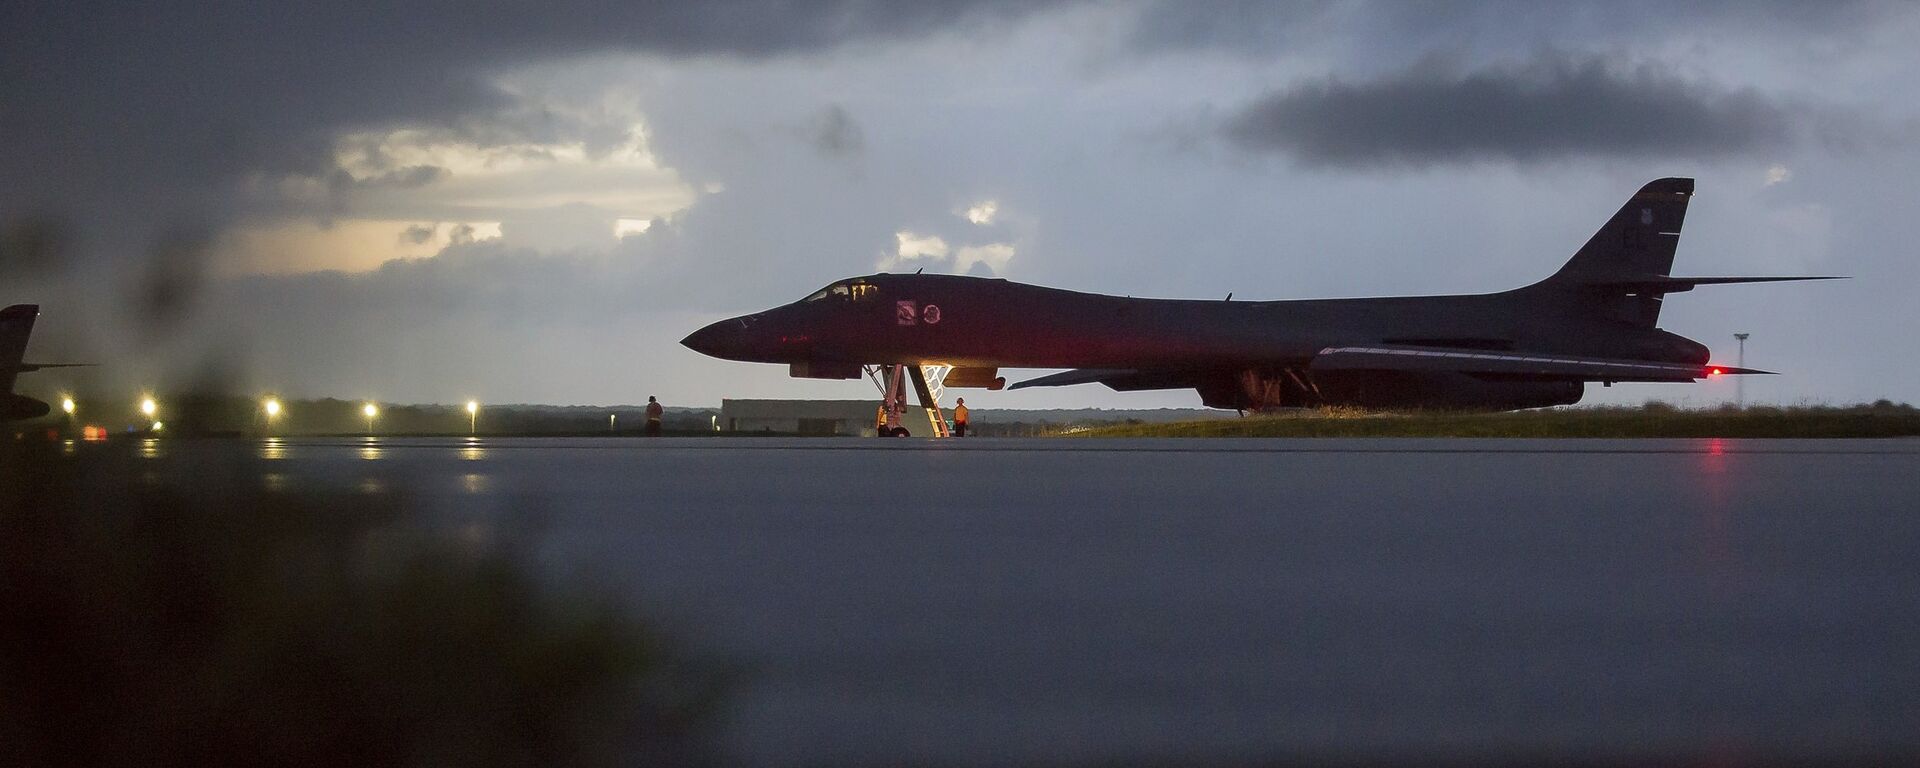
column 1551, row 108
column 1248, row 25
column 153, row 106
column 1383, row 28
column 129, row 123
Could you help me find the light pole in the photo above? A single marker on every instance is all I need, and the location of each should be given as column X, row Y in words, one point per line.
column 66, row 404
column 371, row 411
column 1740, row 361
column 272, row 407
column 149, row 408
column 473, row 417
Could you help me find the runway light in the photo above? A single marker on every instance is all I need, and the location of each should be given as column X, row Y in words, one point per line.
column 148, row 406
column 157, row 426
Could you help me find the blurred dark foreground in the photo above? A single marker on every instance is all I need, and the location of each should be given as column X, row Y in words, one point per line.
column 153, row 623
column 1072, row 603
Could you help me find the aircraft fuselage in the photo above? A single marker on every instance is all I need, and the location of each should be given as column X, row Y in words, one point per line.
column 1237, row 354
column 986, row 323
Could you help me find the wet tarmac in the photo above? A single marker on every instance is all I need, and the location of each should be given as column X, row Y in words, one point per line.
column 990, row 602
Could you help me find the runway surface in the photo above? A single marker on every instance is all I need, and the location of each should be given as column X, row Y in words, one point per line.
column 991, row 602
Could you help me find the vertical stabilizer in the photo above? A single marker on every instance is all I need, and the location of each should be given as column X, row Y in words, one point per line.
column 1636, row 245
column 16, row 324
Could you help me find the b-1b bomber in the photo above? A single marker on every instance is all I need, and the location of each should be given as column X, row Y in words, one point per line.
column 1595, row 320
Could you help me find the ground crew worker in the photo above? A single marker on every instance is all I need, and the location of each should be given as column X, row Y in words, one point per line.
column 960, row 417
column 880, row 420
column 653, row 416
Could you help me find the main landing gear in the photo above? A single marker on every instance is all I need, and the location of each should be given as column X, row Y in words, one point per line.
column 928, row 381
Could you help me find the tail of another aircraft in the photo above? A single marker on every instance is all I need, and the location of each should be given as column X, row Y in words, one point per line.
column 16, row 325
column 1623, row 272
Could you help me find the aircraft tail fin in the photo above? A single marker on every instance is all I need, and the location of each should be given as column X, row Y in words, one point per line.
column 1624, row 271
column 1633, row 248
column 16, row 325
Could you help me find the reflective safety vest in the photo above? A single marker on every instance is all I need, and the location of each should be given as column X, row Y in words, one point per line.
column 960, row 415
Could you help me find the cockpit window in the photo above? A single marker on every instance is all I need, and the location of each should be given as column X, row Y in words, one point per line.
column 837, row 290
column 855, row 291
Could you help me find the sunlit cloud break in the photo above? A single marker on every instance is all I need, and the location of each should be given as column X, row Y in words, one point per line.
column 913, row 247
column 349, row 245
column 994, row 255
column 931, row 250
column 982, row 212
column 631, row 227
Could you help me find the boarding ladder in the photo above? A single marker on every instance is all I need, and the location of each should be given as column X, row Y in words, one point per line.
column 928, row 383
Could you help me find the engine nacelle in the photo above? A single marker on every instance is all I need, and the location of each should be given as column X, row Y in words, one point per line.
column 1260, row 390
column 1442, row 391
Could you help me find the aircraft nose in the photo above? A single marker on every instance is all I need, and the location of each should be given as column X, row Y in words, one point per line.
column 722, row 339
column 704, row 341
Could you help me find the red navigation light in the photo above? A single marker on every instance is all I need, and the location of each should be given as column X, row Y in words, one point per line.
column 1713, row 371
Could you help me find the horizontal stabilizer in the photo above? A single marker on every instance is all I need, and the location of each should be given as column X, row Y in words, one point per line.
column 31, row 367
column 1075, row 376
column 1666, row 284
column 1513, row 364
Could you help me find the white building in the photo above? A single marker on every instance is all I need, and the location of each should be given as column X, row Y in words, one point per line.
column 800, row 417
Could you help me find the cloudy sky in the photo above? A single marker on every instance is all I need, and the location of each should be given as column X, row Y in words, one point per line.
column 430, row 201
